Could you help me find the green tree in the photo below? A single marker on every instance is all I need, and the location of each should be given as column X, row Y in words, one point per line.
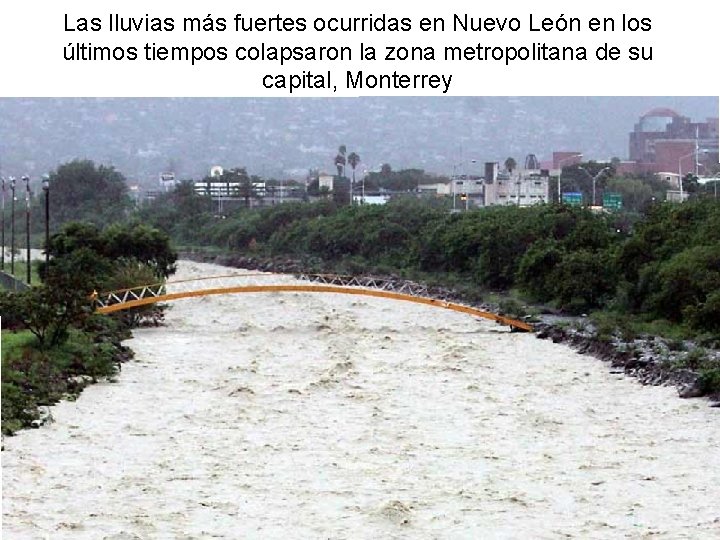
column 245, row 184
column 140, row 244
column 687, row 287
column 83, row 191
column 537, row 267
column 690, row 183
column 181, row 213
column 85, row 258
column 584, row 280
column 402, row 180
column 353, row 159
column 47, row 311
column 636, row 193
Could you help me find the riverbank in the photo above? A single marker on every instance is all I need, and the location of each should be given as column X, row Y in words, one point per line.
column 652, row 360
column 35, row 378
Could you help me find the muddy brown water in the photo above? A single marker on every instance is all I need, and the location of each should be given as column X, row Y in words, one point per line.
column 326, row 416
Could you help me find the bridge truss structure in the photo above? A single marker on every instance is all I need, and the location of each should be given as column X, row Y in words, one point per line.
column 403, row 290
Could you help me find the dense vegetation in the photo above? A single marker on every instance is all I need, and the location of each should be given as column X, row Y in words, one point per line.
column 58, row 345
column 80, row 190
column 665, row 266
column 655, row 272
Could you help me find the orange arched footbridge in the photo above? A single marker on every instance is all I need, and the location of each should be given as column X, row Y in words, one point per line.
column 407, row 291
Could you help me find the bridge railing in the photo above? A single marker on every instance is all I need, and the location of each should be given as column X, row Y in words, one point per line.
column 160, row 289
column 227, row 280
column 258, row 282
column 383, row 284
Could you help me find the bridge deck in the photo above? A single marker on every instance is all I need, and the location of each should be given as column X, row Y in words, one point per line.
column 308, row 283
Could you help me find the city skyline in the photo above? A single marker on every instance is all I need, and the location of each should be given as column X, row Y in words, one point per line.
column 287, row 137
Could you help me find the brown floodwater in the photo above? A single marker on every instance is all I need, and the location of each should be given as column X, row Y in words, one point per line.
column 290, row 415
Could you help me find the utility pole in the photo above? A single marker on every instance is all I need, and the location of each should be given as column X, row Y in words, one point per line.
column 12, row 226
column 363, row 186
column 452, row 184
column 27, row 229
column 3, row 224
column 697, row 151
column 467, row 189
column 46, row 189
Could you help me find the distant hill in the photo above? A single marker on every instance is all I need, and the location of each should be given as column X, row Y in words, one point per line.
column 286, row 137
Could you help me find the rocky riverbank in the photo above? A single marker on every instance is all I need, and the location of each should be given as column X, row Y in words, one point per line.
column 652, row 360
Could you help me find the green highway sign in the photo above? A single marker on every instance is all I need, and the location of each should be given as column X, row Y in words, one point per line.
column 573, row 198
column 612, row 201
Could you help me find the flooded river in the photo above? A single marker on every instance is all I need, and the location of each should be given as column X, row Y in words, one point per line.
column 290, row 415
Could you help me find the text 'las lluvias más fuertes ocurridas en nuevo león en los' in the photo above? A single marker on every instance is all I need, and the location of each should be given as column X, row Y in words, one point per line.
column 362, row 54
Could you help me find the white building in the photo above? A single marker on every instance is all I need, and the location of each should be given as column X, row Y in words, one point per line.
column 227, row 190
column 326, row 181
column 439, row 189
column 521, row 188
column 371, row 199
column 167, row 181
column 459, row 186
column 466, row 185
column 670, row 178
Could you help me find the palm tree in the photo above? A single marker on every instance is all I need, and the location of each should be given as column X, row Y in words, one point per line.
column 353, row 159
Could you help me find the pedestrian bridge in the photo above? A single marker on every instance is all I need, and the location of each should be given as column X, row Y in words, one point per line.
column 143, row 295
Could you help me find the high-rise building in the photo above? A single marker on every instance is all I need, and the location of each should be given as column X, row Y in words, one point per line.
column 665, row 141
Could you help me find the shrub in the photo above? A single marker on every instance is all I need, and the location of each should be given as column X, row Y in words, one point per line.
column 19, row 409
column 710, row 380
column 695, row 358
column 511, row 308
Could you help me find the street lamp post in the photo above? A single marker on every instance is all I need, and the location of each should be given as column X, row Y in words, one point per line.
column 46, row 189
column 3, row 224
column 695, row 153
column 352, row 189
column 12, row 225
column 453, row 181
column 363, row 186
column 467, row 194
column 594, row 179
column 574, row 156
column 26, row 179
